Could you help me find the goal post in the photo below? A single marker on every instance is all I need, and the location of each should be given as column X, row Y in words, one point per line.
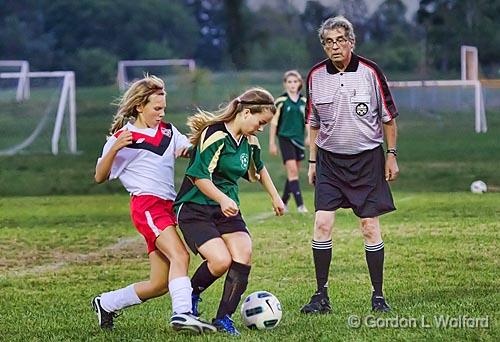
column 66, row 103
column 23, row 83
column 122, row 66
column 469, row 83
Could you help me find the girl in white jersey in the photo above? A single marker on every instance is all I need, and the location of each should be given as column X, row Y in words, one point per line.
column 141, row 151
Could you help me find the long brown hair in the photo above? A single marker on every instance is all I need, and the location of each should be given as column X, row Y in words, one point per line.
column 137, row 94
column 255, row 99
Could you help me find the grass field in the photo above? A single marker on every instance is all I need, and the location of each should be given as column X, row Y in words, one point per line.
column 441, row 261
column 64, row 238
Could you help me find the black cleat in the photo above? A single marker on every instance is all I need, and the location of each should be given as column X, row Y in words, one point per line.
column 105, row 318
column 319, row 304
column 379, row 304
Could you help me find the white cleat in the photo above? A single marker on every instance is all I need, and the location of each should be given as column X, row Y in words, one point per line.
column 188, row 321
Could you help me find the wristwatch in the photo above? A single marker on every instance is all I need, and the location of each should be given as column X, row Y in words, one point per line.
column 393, row 151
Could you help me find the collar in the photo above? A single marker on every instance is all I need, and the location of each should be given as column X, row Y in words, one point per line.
column 351, row 67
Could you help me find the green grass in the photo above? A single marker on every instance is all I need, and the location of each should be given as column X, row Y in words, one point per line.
column 441, row 259
column 439, row 152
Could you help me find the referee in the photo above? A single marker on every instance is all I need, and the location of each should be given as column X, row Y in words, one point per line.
column 350, row 110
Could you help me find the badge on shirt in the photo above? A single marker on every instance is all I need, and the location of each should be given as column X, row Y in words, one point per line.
column 244, row 161
column 167, row 132
column 361, row 109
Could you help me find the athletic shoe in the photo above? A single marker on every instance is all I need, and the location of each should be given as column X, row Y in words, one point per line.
column 319, row 304
column 302, row 209
column 379, row 304
column 225, row 325
column 105, row 318
column 195, row 300
column 188, row 321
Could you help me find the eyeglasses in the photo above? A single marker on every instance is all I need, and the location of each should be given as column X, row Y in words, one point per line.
column 340, row 41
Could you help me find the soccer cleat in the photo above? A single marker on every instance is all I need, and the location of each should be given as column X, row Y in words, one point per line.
column 379, row 304
column 225, row 325
column 302, row 209
column 195, row 300
column 188, row 321
column 105, row 318
column 319, row 304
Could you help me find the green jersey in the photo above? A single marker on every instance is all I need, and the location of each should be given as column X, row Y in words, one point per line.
column 223, row 160
column 289, row 118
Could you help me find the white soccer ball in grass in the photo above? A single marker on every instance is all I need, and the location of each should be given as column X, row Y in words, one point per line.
column 478, row 187
column 261, row 310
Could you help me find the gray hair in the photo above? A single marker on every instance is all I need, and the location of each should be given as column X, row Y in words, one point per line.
column 337, row 22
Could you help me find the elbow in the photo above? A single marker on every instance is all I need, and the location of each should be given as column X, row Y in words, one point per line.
column 99, row 179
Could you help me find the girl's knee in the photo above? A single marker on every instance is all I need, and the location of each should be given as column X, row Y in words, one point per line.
column 219, row 264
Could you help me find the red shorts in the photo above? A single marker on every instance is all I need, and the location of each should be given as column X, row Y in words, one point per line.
column 151, row 215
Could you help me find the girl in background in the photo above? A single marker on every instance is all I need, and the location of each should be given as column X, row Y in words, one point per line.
column 288, row 124
column 141, row 152
column 225, row 149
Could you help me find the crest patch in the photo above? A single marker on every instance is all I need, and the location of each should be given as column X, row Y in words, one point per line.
column 361, row 109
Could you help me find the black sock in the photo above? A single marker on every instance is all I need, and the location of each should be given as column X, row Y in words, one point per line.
column 375, row 261
column 294, row 187
column 234, row 287
column 322, row 254
column 202, row 279
column 286, row 193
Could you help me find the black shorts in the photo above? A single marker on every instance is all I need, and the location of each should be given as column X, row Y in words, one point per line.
column 353, row 181
column 200, row 223
column 290, row 150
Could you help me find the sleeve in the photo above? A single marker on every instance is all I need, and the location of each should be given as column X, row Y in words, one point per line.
column 256, row 164
column 384, row 97
column 303, row 106
column 279, row 107
column 206, row 155
column 122, row 159
column 312, row 117
column 180, row 140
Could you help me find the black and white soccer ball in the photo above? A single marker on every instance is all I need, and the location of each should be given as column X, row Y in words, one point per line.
column 261, row 310
column 478, row 187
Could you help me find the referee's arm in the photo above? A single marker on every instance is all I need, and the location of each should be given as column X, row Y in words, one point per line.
column 391, row 164
column 313, row 149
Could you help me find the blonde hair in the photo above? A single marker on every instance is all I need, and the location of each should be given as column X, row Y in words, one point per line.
column 293, row 73
column 137, row 94
column 255, row 99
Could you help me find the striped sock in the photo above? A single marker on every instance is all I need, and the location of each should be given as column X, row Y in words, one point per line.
column 375, row 260
column 322, row 254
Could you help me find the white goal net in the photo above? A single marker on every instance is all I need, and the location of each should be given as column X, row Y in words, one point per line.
column 46, row 122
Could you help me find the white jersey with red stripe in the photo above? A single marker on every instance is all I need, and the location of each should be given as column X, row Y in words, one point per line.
column 146, row 167
column 349, row 107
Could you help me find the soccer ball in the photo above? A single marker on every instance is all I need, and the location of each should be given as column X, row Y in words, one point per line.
column 261, row 310
column 478, row 187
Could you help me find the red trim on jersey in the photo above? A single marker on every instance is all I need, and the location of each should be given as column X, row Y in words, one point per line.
column 309, row 79
column 155, row 140
column 379, row 81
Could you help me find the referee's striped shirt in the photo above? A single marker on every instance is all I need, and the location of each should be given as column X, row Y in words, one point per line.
column 349, row 107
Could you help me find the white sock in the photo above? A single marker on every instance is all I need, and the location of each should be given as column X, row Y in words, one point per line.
column 119, row 299
column 180, row 290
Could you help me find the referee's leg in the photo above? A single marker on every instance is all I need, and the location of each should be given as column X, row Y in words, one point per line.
column 374, row 252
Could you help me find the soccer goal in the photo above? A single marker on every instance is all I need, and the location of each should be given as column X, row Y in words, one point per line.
column 23, row 82
column 437, row 99
column 33, row 125
column 124, row 78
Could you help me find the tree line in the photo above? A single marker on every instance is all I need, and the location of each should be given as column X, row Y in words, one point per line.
column 91, row 36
